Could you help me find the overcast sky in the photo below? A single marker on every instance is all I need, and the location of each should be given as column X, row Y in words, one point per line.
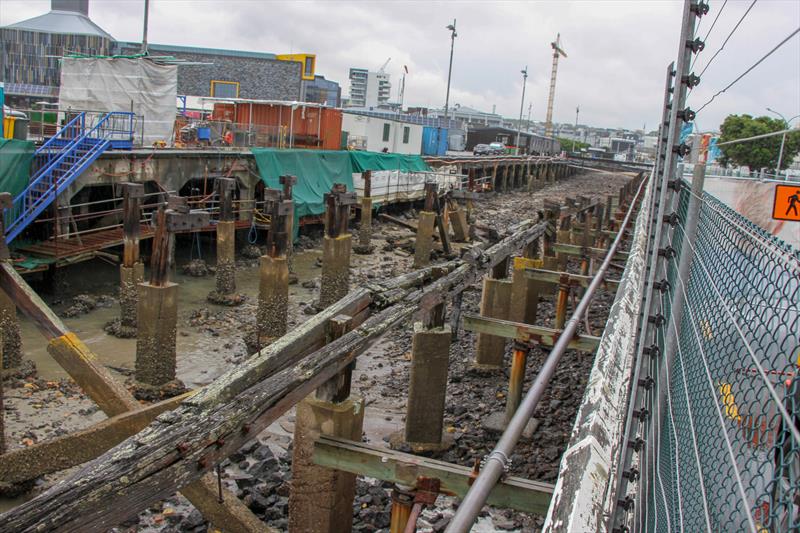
column 618, row 50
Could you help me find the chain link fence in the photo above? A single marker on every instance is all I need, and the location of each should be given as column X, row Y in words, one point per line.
column 723, row 441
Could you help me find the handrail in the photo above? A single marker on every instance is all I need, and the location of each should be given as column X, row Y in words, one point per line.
column 496, row 462
column 51, row 158
column 64, row 128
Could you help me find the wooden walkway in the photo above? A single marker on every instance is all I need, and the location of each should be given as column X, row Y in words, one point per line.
column 62, row 250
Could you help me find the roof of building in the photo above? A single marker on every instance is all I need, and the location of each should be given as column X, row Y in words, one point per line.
column 171, row 48
column 68, row 22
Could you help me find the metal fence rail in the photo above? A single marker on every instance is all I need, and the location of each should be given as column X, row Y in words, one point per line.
column 727, row 450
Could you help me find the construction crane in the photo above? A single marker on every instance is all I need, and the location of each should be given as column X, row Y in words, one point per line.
column 383, row 68
column 557, row 50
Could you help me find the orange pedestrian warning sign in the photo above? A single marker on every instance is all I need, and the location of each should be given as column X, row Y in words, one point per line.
column 787, row 202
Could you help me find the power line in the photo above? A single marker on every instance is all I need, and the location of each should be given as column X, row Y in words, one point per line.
column 727, row 38
column 746, row 72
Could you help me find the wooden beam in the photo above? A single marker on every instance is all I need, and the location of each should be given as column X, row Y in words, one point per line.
column 573, row 249
column 552, row 276
column 98, row 383
column 81, row 446
column 388, row 465
column 401, row 223
column 526, row 332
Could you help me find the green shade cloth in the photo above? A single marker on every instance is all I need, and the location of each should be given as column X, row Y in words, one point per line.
column 318, row 170
column 15, row 165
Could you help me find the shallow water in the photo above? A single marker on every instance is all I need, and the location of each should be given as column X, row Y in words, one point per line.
column 199, row 357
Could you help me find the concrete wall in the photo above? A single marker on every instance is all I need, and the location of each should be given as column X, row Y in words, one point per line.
column 372, row 128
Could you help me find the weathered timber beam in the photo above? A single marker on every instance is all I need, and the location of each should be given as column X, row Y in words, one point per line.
column 573, row 249
column 67, row 349
column 526, row 332
column 552, row 276
column 401, row 223
column 81, row 446
column 98, row 383
column 388, row 465
column 180, row 446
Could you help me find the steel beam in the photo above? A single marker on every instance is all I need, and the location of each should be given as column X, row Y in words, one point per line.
column 527, row 333
column 404, row 469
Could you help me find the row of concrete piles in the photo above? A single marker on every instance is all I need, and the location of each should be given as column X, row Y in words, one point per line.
column 322, row 497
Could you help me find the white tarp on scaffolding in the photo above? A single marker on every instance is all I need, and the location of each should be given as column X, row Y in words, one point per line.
column 138, row 85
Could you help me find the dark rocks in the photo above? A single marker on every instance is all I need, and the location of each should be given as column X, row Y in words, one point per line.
column 197, row 268
column 251, row 251
column 84, row 303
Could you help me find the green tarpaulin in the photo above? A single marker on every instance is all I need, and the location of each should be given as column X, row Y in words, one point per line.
column 318, row 170
column 15, row 165
column 378, row 161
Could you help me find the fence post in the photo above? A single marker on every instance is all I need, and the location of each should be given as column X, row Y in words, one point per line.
column 664, row 182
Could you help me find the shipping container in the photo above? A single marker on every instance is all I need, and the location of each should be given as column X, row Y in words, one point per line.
column 434, row 141
column 277, row 124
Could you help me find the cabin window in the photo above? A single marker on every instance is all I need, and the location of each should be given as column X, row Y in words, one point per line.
column 386, row 128
column 224, row 89
column 406, row 134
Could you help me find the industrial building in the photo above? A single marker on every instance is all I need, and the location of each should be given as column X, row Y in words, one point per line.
column 369, row 89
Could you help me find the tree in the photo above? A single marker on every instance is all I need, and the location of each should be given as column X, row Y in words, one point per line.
column 760, row 153
column 566, row 144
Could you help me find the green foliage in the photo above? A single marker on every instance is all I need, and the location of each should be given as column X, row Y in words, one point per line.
column 761, row 153
column 566, row 144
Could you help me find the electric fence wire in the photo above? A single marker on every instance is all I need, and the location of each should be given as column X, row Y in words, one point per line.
column 728, row 38
column 713, row 23
column 746, row 72
column 693, row 320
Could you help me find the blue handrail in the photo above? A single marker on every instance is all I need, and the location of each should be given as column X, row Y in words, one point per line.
column 60, row 168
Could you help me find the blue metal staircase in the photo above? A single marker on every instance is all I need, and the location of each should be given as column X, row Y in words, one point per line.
column 63, row 158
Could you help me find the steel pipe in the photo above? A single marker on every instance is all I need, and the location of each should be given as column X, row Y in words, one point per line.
column 496, row 462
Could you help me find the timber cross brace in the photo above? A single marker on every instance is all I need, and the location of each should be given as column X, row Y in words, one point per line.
column 279, row 209
column 337, row 209
column 176, row 217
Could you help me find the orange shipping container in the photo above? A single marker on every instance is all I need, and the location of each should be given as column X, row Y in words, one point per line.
column 311, row 127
